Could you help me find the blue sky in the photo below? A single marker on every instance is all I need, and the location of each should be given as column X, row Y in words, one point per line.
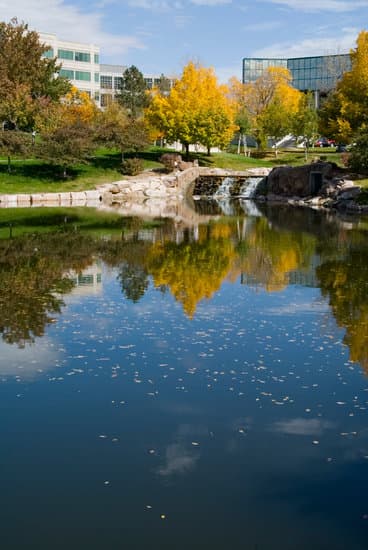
column 162, row 36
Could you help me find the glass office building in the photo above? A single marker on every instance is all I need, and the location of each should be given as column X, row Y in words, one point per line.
column 317, row 74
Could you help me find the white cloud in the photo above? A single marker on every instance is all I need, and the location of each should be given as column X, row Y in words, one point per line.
column 154, row 5
column 263, row 26
column 210, row 2
column 323, row 5
column 341, row 43
column 68, row 22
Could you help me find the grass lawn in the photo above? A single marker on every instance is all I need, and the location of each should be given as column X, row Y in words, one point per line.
column 34, row 176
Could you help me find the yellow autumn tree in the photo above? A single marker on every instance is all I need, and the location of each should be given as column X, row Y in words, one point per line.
column 197, row 110
column 77, row 106
column 345, row 112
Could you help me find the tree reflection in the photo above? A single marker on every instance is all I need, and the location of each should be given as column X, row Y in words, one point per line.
column 344, row 280
column 271, row 255
column 192, row 264
column 33, row 279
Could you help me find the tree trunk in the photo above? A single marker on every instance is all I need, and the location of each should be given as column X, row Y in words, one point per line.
column 246, row 152
column 239, row 143
column 186, row 145
column 9, row 165
column 208, row 151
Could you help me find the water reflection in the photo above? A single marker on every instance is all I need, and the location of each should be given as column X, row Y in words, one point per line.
column 281, row 247
column 157, row 375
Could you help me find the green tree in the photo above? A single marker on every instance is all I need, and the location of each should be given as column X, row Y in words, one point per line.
column 133, row 94
column 115, row 128
column 24, row 71
column 14, row 143
column 305, row 121
column 67, row 145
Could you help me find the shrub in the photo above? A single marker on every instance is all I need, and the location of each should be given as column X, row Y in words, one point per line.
column 132, row 167
column 358, row 160
column 170, row 161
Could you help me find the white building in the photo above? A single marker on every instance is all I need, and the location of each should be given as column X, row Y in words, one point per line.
column 80, row 63
column 111, row 78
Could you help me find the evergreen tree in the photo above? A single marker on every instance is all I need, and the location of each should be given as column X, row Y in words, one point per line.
column 133, row 94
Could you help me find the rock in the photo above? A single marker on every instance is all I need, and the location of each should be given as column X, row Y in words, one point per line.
column 288, row 180
column 349, row 193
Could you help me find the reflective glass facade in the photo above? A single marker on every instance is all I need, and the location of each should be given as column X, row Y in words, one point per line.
column 318, row 73
column 253, row 68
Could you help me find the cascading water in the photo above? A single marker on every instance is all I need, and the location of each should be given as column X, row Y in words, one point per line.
column 249, row 188
column 223, row 196
column 224, row 189
column 248, row 191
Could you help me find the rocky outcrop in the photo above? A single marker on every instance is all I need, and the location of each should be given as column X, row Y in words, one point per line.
column 289, row 181
column 319, row 184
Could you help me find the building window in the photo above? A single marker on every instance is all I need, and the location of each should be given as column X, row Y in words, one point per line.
column 97, row 77
column 97, row 96
column 67, row 73
column 83, row 75
column 106, row 82
column 48, row 53
column 65, row 54
column 118, row 82
column 83, row 56
column 97, row 58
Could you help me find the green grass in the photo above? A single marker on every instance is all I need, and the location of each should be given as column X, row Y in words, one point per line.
column 16, row 221
column 34, row 176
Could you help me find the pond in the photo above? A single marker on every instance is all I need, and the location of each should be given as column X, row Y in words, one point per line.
column 170, row 385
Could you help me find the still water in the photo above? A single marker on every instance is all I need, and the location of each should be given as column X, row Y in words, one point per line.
column 175, row 385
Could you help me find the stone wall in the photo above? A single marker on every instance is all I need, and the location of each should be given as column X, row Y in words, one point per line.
column 147, row 185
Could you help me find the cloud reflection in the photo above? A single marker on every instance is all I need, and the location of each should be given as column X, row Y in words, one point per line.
column 302, row 426
column 178, row 460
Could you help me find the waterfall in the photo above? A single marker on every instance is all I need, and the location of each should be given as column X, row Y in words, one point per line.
column 248, row 190
column 224, row 189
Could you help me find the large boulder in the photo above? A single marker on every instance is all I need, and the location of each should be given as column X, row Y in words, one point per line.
column 289, row 181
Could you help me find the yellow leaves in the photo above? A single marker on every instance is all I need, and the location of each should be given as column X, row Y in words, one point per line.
column 197, row 109
column 77, row 106
column 349, row 102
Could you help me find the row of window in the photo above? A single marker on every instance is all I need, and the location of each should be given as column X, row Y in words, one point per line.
column 79, row 75
column 77, row 56
column 108, row 82
column 72, row 55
